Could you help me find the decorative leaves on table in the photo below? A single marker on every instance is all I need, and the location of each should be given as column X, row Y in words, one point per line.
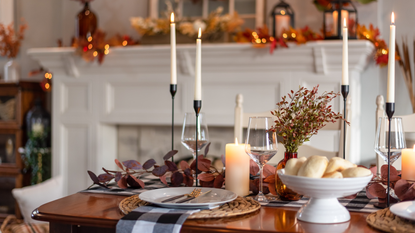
column 147, row 165
column 401, row 190
column 132, row 170
column 253, row 168
column 405, row 190
column 132, row 164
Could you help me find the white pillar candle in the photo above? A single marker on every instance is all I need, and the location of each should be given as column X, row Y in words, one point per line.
column 198, row 69
column 282, row 22
column 408, row 164
column 345, row 61
column 390, row 95
column 237, row 169
column 173, row 69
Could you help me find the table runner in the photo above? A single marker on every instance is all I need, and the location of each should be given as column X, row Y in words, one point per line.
column 359, row 204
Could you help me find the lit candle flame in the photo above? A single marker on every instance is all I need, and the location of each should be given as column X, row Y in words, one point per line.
column 393, row 18
column 200, row 33
column 236, row 142
column 172, row 18
column 414, row 147
column 344, row 22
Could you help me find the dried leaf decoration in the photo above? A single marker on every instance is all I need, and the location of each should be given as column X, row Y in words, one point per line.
column 132, row 164
column 302, row 115
column 404, row 190
column 10, row 40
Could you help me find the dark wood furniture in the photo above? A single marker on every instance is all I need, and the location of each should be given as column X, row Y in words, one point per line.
column 88, row 212
column 16, row 99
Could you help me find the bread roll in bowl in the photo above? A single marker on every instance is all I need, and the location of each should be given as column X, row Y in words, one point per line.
column 337, row 164
column 314, row 167
column 293, row 165
column 356, row 172
column 333, row 175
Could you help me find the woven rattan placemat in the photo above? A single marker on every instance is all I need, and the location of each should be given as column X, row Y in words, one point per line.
column 386, row 221
column 239, row 206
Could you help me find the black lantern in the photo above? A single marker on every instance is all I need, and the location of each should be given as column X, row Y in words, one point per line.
column 282, row 18
column 334, row 17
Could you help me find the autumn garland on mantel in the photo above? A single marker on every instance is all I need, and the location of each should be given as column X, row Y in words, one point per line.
column 261, row 37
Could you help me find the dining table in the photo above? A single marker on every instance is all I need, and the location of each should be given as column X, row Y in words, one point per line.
column 99, row 212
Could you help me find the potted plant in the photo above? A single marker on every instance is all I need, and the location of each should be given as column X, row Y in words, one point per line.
column 298, row 118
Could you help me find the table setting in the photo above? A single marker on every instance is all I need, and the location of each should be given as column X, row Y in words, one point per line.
column 326, row 190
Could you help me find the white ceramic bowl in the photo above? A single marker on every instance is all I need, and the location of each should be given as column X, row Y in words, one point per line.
column 323, row 206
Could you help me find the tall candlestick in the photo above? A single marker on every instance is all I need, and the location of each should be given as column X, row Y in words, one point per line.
column 390, row 97
column 345, row 62
column 198, row 69
column 237, row 169
column 173, row 70
column 408, row 164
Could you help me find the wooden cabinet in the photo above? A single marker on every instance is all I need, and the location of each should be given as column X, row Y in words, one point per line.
column 16, row 99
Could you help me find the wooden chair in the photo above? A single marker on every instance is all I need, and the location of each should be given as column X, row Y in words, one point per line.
column 241, row 123
column 408, row 122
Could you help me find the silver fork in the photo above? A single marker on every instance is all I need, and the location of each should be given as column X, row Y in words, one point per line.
column 182, row 195
column 194, row 197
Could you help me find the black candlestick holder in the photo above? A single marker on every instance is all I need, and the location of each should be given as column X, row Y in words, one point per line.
column 173, row 90
column 197, row 105
column 345, row 93
column 390, row 110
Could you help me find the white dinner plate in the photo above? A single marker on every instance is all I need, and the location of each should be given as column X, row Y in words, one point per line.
column 404, row 209
column 211, row 200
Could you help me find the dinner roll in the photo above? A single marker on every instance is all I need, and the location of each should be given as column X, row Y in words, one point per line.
column 333, row 175
column 293, row 165
column 356, row 172
column 314, row 167
column 338, row 164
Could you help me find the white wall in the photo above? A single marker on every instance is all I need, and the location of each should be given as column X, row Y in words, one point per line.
column 50, row 20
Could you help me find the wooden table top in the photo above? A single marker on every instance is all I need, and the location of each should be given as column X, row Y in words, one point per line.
column 101, row 210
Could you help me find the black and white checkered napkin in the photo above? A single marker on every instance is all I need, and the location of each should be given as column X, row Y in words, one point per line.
column 358, row 204
column 153, row 220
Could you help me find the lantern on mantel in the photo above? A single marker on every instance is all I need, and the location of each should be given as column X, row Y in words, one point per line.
column 282, row 18
column 334, row 17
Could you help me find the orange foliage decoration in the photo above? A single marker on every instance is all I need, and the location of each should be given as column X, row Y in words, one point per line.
column 97, row 46
column 301, row 36
column 372, row 34
column 10, row 40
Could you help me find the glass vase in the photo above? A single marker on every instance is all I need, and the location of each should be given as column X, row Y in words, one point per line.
column 11, row 71
column 285, row 193
column 86, row 23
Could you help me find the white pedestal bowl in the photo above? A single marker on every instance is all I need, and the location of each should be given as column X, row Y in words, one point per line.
column 323, row 206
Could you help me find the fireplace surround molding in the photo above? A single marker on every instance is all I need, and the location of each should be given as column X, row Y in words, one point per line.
column 131, row 87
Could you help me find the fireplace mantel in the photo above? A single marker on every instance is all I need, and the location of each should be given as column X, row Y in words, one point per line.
column 131, row 86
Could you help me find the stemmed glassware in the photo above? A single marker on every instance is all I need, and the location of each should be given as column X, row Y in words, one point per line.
column 188, row 138
column 397, row 138
column 261, row 145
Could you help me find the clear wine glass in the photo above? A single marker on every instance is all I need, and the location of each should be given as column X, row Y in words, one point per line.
column 261, row 145
column 397, row 136
column 189, row 132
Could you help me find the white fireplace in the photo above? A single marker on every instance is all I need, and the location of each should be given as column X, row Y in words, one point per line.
column 131, row 88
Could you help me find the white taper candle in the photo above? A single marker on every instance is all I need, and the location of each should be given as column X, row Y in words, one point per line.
column 173, row 69
column 345, row 61
column 198, row 69
column 390, row 95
